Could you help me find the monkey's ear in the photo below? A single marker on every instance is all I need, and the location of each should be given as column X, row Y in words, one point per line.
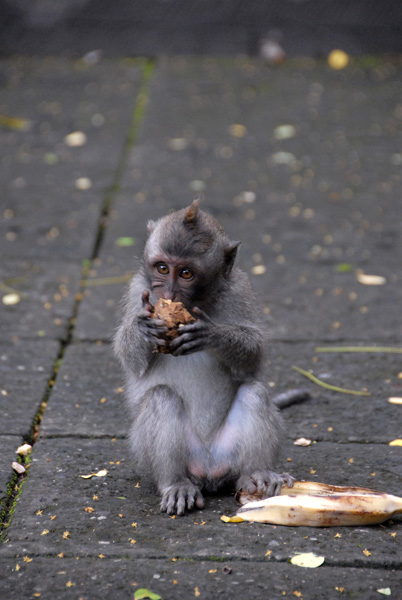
column 191, row 214
column 151, row 226
column 230, row 255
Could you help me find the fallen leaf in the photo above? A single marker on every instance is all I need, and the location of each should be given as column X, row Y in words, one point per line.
column 302, row 442
column 283, row 158
column 124, row 242
column 385, row 591
column 16, row 123
column 143, row 593
column 11, row 299
column 338, row 59
column 396, row 443
column 237, row 130
column 308, row 560
column 83, row 183
column 177, row 144
column 24, row 450
column 18, row 468
column 76, row 138
column 234, row 519
column 284, row 132
column 395, row 400
column 370, row 279
column 259, row 270
column 101, row 473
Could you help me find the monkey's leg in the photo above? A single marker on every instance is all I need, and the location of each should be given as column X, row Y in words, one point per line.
column 247, row 444
column 159, row 438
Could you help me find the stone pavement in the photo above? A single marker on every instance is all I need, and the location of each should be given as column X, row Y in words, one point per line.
column 301, row 163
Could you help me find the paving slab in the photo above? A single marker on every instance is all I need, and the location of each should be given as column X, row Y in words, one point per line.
column 25, row 369
column 118, row 514
column 303, row 165
column 91, row 579
column 66, row 180
column 87, row 399
column 47, row 291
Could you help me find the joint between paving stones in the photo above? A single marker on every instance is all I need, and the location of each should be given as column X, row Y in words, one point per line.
column 137, row 118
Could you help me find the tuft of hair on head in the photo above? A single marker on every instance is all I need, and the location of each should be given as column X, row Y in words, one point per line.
column 191, row 214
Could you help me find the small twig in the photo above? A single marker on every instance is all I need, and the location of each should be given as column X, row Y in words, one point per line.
column 334, row 388
column 380, row 349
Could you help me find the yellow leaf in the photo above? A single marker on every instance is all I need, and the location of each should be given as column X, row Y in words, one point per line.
column 309, row 560
column 16, row 123
column 338, row 59
column 396, row 443
column 234, row 519
column 101, row 473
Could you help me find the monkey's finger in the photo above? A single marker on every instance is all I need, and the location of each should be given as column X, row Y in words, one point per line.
column 186, row 348
column 145, row 300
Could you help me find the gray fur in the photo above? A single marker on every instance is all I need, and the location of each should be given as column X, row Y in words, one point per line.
column 201, row 416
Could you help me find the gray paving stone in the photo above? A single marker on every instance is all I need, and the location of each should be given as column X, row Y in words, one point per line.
column 317, row 210
column 47, row 291
column 87, row 398
column 120, row 577
column 54, row 489
column 25, row 368
column 58, row 97
column 332, row 201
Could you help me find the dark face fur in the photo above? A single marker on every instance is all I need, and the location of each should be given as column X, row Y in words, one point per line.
column 185, row 258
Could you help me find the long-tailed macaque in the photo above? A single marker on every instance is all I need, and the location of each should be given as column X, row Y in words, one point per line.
column 201, row 415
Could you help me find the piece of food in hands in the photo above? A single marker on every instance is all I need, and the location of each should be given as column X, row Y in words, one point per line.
column 173, row 314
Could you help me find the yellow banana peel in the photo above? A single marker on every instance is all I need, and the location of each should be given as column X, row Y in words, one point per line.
column 313, row 504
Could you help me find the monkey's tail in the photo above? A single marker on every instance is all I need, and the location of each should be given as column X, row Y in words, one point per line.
column 291, row 397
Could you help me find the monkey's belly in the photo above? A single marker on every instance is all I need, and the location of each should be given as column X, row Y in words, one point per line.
column 205, row 388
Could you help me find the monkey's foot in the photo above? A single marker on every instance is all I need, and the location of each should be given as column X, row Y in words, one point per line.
column 178, row 497
column 268, row 483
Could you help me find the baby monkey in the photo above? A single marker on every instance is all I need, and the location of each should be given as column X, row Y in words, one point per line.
column 201, row 415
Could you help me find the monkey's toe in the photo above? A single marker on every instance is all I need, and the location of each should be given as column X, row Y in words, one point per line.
column 264, row 483
column 178, row 497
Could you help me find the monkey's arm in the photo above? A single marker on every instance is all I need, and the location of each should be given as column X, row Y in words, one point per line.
column 239, row 346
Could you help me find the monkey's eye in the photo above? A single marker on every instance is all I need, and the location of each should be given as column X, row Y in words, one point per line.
column 162, row 268
column 186, row 274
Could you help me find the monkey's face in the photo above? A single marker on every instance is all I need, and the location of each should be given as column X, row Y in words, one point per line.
column 175, row 279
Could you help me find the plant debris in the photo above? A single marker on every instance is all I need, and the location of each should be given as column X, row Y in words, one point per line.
column 328, row 386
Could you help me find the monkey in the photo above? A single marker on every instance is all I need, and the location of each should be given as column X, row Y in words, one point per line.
column 201, row 416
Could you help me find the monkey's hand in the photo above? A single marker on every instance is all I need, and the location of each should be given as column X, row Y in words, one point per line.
column 152, row 330
column 194, row 337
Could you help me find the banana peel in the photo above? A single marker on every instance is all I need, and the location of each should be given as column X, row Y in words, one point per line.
column 313, row 504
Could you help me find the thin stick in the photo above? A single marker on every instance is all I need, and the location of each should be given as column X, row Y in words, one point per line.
column 334, row 388
column 359, row 349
